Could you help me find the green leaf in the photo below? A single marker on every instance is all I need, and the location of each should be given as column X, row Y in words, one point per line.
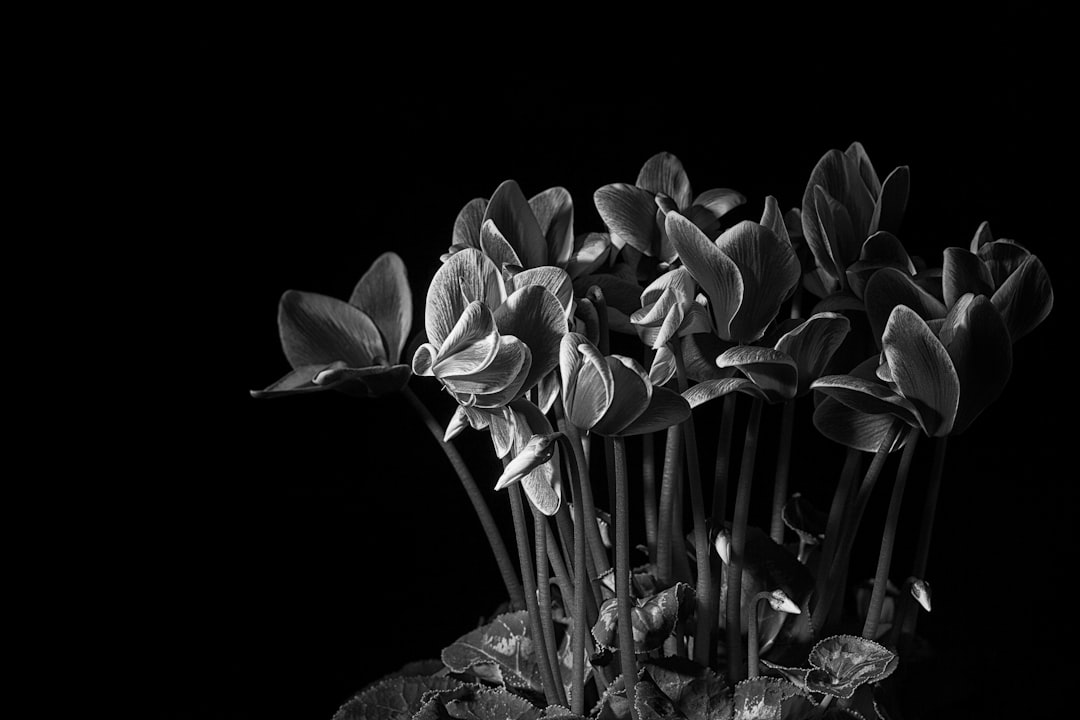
column 653, row 618
column 844, row 662
column 694, row 691
column 500, row 652
column 766, row 698
column 393, row 698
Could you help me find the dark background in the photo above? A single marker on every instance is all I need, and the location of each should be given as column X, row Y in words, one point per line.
column 304, row 547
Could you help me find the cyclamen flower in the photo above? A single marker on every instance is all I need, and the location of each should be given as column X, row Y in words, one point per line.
column 669, row 309
column 349, row 346
column 486, row 347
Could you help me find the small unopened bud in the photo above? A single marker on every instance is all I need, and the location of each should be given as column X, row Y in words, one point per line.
column 722, row 543
column 457, row 423
column 536, row 452
column 780, row 602
column 920, row 590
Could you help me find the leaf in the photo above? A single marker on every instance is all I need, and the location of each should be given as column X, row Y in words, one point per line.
column 805, row 519
column 653, row 618
column 812, row 345
column 383, row 293
column 517, row 223
column 844, row 662
column 1025, row 298
column 716, row 273
column 694, row 691
column 975, row 336
column 629, row 212
column 500, row 651
column 922, row 370
column 765, row 698
column 769, row 271
column 888, row 289
column 472, row 702
column 554, row 211
column 393, row 698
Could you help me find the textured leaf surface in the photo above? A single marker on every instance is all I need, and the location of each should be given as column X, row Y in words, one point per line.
column 394, row 698
column 498, row 652
column 844, row 662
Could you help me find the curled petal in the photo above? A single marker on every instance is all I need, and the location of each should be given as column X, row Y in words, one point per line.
column 773, row 219
column 719, row 201
column 679, row 281
column 536, row 452
column 496, row 246
column 663, row 173
column 630, row 397
column 982, row 237
column 424, row 360
column 366, row 382
column 962, row 273
column 853, row 428
column 665, row 409
column 507, row 366
column 590, row 252
column 300, row 380
column 663, row 366
column 714, row 271
column 536, row 317
column 554, row 279
column 872, row 398
column 711, row 389
column 812, row 345
column 771, row 370
column 1003, row 258
column 922, row 370
column 470, row 346
column 465, row 277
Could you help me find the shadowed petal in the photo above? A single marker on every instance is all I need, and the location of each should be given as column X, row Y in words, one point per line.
column 889, row 288
column 470, row 346
column 769, row 270
column 718, row 201
column 699, row 355
column 669, row 328
column 982, row 237
column 922, row 370
column 554, row 211
column 296, row 382
column 881, row 250
column 840, row 240
column 771, row 370
column 590, row 252
column 630, row 214
column 1025, row 298
column 632, row 391
column 365, row 382
column 318, row 330
column 1003, row 258
column 424, row 360
column 867, row 396
column 812, row 344
column 663, row 366
column 854, row 429
column 863, row 168
column 468, row 222
column 654, row 310
column 496, row 247
column 502, row 425
column 515, row 220
column 711, row 389
column 619, row 293
column 554, row 279
column 383, row 294
column 679, row 280
column 892, row 202
column 773, row 219
column 962, row 273
column 499, row 398
column 975, row 336
column 715, row 272
column 506, row 366
column 465, row 276
column 535, row 316
column 587, row 383
column 663, row 173
column 666, row 408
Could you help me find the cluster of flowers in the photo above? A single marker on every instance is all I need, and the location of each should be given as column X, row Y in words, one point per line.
column 518, row 325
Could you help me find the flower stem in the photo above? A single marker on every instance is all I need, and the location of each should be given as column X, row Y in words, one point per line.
column 783, row 467
column 622, row 572
column 577, row 641
column 592, row 530
column 648, row 476
column 664, row 534
column 483, row 512
column 888, row 538
column 833, row 526
column 723, row 460
column 851, row 527
column 702, row 551
column 543, row 592
column 752, row 636
column 738, row 543
column 562, row 572
column 536, row 631
column 922, row 550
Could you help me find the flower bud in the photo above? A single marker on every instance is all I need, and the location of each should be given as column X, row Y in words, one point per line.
column 780, row 602
column 536, row 452
column 920, row 590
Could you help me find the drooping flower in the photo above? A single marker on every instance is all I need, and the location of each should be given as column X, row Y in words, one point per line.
column 843, row 205
column 746, row 273
column 635, row 213
column 349, row 346
column 611, row 395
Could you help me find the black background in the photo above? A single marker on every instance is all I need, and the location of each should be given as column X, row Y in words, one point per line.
column 304, row 547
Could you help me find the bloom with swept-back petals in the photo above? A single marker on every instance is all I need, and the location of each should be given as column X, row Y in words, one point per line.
column 487, row 347
column 635, row 213
column 611, row 395
column 747, row 272
column 843, row 205
column 349, row 346
column 669, row 309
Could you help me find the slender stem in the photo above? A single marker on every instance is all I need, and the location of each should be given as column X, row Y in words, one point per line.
column 578, row 615
column 888, row 537
column 596, row 295
column 521, row 532
column 592, row 531
column 648, row 475
column 702, row 551
column 833, row 526
column 738, row 543
column 565, row 526
column 678, row 532
column 664, row 539
column 562, row 572
column 543, row 592
column 723, row 460
column 783, row 467
column 752, row 636
column 922, row 552
column 851, row 527
column 609, row 460
column 483, row 512
column 622, row 572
